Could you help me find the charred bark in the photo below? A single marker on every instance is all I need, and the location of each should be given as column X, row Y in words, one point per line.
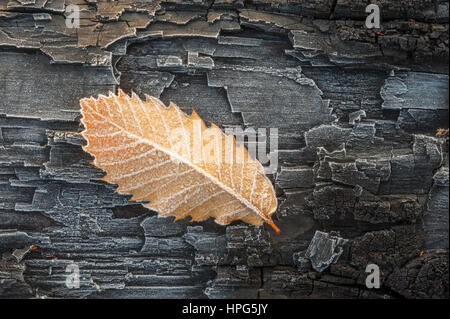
column 356, row 109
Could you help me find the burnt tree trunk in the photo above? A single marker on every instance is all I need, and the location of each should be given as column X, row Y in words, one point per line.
column 356, row 110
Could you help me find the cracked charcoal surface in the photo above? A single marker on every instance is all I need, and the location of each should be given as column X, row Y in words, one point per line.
column 356, row 110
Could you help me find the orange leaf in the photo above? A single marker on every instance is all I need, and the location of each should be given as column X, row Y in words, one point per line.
column 183, row 168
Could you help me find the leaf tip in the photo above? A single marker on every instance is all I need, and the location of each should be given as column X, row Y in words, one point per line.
column 271, row 223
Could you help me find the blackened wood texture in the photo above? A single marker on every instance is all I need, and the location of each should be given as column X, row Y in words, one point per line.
column 356, row 110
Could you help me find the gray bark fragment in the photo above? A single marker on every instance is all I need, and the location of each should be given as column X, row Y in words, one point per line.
column 324, row 250
column 435, row 220
column 415, row 91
